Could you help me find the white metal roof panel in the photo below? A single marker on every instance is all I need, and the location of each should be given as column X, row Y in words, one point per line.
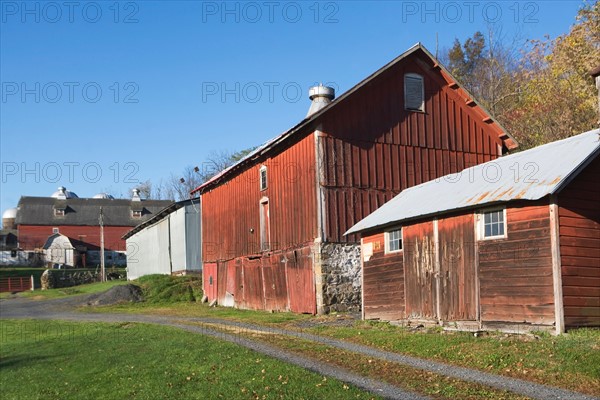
column 528, row 175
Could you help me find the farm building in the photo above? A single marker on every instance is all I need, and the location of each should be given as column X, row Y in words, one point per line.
column 273, row 224
column 168, row 243
column 510, row 244
column 78, row 219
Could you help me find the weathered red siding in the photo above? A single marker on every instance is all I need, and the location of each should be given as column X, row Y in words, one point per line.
column 516, row 272
column 458, row 276
column 383, row 282
column 231, row 211
column 419, row 270
column 579, row 230
column 373, row 148
column 34, row 236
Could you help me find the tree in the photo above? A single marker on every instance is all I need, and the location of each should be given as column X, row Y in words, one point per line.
column 486, row 68
column 557, row 97
column 178, row 187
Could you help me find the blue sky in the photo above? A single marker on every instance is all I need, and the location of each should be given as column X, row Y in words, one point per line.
column 97, row 95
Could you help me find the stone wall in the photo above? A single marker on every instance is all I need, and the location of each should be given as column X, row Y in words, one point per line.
column 57, row 278
column 341, row 277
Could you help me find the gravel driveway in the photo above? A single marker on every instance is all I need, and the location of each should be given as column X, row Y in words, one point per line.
column 64, row 309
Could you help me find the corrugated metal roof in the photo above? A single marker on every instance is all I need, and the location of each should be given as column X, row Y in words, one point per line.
column 510, row 142
column 528, row 175
column 163, row 213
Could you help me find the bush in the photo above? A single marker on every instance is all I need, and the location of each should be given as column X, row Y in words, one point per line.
column 170, row 289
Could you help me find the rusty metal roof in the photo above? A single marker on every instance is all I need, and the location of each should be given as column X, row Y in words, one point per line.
column 528, row 175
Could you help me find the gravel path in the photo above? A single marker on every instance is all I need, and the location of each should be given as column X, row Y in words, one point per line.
column 63, row 309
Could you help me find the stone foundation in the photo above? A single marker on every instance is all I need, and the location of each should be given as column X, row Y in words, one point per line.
column 340, row 277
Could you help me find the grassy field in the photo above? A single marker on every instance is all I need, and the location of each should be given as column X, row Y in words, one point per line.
column 69, row 291
column 58, row 360
column 570, row 361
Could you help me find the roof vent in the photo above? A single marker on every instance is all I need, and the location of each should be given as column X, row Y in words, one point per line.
column 62, row 193
column 136, row 195
column 320, row 96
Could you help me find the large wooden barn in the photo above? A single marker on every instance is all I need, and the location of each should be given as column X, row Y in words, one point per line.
column 273, row 224
column 78, row 219
column 510, row 244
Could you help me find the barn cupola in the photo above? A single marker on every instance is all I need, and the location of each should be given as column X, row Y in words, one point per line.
column 320, row 97
column 136, row 195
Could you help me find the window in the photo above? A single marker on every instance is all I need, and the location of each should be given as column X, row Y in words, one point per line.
column 265, row 228
column 263, row 177
column 54, row 230
column 414, row 94
column 59, row 212
column 136, row 213
column 393, row 241
column 493, row 224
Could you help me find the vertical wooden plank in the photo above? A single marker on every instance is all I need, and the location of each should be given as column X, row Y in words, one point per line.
column 556, row 266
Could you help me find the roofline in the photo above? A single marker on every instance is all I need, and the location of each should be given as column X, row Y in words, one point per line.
column 159, row 215
column 576, row 171
column 308, row 120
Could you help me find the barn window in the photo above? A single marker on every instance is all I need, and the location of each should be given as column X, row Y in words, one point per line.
column 136, row 213
column 393, row 241
column 263, row 177
column 265, row 225
column 59, row 212
column 54, row 230
column 493, row 224
column 414, row 93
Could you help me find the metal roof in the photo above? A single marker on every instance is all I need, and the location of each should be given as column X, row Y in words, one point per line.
column 509, row 141
column 80, row 211
column 163, row 213
column 528, row 175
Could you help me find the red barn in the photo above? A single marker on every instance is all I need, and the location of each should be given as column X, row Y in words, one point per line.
column 79, row 219
column 510, row 244
column 273, row 224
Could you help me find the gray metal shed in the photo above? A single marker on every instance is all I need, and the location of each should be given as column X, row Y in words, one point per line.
column 169, row 243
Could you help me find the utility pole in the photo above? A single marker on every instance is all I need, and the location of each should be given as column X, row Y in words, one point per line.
column 102, row 271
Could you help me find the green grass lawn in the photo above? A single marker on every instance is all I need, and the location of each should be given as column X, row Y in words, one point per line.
column 69, row 291
column 65, row 360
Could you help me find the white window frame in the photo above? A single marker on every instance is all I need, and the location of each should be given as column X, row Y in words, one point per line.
column 263, row 169
column 387, row 240
column 59, row 212
column 413, row 75
column 55, row 230
column 481, row 223
column 136, row 213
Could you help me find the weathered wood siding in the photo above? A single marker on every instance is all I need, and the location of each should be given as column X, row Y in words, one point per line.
column 373, row 148
column 419, row 270
column 231, row 211
column 579, row 230
column 383, row 282
column 516, row 272
column 458, row 276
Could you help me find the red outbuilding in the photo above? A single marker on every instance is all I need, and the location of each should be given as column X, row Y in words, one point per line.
column 511, row 244
column 273, row 224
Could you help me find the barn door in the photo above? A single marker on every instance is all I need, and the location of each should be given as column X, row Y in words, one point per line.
column 210, row 280
column 419, row 269
column 457, row 290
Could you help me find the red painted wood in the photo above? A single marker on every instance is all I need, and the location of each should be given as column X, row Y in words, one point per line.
column 579, row 229
column 33, row 237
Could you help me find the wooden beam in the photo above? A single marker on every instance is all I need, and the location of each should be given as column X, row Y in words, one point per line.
column 453, row 85
column 437, row 271
column 559, row 310
column 470, row 102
